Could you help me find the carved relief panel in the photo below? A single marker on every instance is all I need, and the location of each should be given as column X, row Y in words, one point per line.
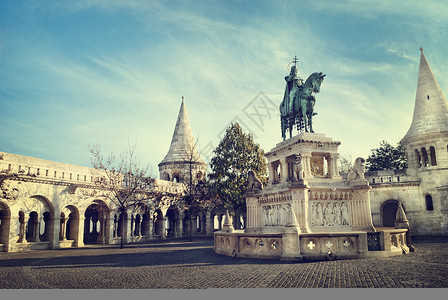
column 274, row 215
column 329, row 213
column 317, row 165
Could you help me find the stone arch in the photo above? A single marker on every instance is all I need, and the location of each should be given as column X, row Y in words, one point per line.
column 137, row 218
column 146, row 223
column 158, row 222
column 176, row 177
column 71, row 231
column 172, row 215
column 121, row 222
column 36, row 221
column 5, row 220
column 166, row 176
column 388, row 211
column 96, row 223
column 32, row 227
column 217, row 216
column 201, row 219
column 137, row 224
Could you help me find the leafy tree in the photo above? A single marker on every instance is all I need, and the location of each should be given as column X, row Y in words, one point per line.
column 387, row 157
column 234, row 157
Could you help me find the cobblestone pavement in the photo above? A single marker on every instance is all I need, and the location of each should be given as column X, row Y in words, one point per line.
column 180, row 264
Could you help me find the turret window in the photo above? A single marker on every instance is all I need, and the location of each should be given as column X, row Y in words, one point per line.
column 428, row 202
column 427, row 96
column 432, row 154
column 417, row 158
column 424, row 158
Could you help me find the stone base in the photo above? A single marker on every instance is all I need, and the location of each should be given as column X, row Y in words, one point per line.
column 31, row 246
column 66, row 244
column 293, row 246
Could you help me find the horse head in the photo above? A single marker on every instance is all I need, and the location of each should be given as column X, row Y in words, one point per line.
column 315, row 80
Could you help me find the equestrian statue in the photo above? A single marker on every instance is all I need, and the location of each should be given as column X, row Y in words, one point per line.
column 297, row 107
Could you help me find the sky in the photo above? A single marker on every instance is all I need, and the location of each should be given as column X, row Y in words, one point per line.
column 79, row 73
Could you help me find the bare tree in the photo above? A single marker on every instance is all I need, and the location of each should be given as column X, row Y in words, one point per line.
column 345, row 163
column 128, row 183
column 197, row 194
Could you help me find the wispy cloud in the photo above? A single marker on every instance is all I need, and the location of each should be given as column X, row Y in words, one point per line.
column 216, row 57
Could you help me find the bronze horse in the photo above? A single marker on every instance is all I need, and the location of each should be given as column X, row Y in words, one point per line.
column 301, row 111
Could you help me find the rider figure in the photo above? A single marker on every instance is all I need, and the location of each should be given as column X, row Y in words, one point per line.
column 293, row 85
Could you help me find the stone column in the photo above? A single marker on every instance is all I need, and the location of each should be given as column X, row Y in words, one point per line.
column 52, row 232
column 128, row 224
column 335, row 164
column 131, row 226
column 151, row 225
column 307, row 165
column 22, row 225
column 219, row 222
column 208, row 225
column 272, row 173
column 180, row 226
column 284, row 170
column 62, row 228
column 101, row 230
column 164, row 228
column 80, row 237
column 13, row 232
column 112, row 228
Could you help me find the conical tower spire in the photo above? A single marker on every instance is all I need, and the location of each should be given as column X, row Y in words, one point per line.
column 431, row 107
column 182, row 146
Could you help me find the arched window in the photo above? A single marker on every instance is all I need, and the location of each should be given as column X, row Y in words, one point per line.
column 176, row 177
column 424, row 157
column 432, row 154
column 418, row 162
column 428, row 202
column 166, row 176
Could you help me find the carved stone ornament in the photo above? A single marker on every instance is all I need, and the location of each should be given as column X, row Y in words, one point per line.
column 298, row 168
column 356, row 175
column 329, row 214
column 253, row 182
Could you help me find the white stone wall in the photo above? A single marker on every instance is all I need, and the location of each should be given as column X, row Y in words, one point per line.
column 38, row 192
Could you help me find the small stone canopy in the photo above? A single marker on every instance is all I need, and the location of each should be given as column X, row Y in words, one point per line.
column 401, row 221
column 227, row 224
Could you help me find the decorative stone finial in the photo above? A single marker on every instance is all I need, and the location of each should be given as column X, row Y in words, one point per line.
column 400, row 218
column 421, row 49
column 227, row 225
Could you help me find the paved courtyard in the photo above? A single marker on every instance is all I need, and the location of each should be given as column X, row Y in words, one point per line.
column 180, row 264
